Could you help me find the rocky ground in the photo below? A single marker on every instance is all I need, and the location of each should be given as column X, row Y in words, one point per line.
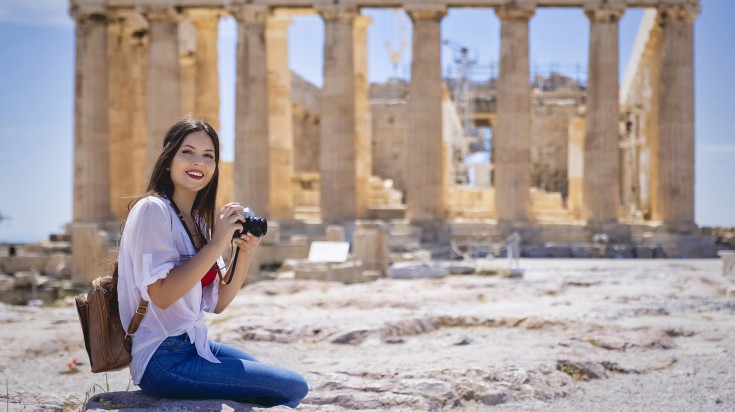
column 654, row 335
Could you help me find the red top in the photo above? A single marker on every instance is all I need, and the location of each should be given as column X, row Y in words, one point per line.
column 210, row 276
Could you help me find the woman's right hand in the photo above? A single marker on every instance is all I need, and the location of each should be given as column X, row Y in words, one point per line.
column 226, row 222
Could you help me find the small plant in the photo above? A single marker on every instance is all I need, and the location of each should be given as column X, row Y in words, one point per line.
column 71, row 367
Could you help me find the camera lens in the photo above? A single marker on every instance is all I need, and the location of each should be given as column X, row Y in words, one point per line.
column 255, row 225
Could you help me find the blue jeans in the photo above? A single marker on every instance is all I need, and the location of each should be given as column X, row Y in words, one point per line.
column 177, row 371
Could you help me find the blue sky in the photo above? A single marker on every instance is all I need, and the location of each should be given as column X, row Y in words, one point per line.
column 37, row 93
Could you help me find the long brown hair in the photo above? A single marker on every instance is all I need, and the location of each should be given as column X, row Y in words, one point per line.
column 160, row 183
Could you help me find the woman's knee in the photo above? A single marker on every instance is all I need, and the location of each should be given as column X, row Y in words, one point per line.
column 299, row 388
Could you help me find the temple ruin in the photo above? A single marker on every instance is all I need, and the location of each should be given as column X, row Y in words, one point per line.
column 570, row 165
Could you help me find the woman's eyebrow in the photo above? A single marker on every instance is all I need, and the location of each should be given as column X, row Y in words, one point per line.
column 206, row 150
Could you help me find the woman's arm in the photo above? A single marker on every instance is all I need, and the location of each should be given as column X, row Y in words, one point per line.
column 182, row 279
column 247, row 244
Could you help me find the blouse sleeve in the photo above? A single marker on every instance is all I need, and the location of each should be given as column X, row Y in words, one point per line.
column 149, row 240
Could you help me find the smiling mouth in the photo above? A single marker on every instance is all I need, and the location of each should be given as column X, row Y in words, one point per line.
column 195, row 174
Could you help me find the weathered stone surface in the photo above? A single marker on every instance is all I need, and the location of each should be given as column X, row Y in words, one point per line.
column 414, row 270
column 137, row 401
column 654, row 327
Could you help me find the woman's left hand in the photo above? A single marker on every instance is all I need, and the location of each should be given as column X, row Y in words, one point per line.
column 247, row 242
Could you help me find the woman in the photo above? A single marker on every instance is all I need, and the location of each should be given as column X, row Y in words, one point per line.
column 170, row 257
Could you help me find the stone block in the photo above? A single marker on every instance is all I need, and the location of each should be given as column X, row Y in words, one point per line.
column 335, row 233
column 273, row 236
column 47, row 293
column 418, row 255
column 643, row 252
column 376, row 254
column 372, row 275
column 90, row 252
column 26, row 279
column 6, row 282
column 345, row 272
column 254, row 272
column 579, row 251
column 24, row 263
column 728, row 262
column 137, row 401
column 532, row 251
column 415, row 270
column 558, row 251
column 58, row 265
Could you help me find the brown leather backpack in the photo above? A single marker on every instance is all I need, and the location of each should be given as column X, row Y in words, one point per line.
column 108, row 344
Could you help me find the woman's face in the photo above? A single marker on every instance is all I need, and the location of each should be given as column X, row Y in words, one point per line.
column 193, row 165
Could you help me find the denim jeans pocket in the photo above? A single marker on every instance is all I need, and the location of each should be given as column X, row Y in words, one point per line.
column 172, row 344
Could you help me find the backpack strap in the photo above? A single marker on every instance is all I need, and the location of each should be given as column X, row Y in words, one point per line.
column 140, row 312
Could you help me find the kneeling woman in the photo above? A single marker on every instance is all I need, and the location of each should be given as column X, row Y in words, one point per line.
column 170, row 256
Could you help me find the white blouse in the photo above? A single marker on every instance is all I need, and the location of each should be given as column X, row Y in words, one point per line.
column 154, row 241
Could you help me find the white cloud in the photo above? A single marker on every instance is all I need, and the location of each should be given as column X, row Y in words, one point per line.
column 36, row 12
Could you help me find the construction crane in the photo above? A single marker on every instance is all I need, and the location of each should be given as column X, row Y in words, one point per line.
column 395, row 54
column 461, row 89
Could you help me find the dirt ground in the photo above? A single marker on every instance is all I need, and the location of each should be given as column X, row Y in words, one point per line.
column 654, row 335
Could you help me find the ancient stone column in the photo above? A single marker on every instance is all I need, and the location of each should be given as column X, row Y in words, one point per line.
column 125, row 30
column 575, row 167
column 512, row 135
column 139, row 103
column 91, row 140
column 280, row 118
column 206, row 99
column 601, row 155
column 363, row 115
column 650, row 89
column 675, row 205
column 337, row 135
column 163, row 78
column 252, row 151
column 426, row 191
column 91, row 132
column 187, row 67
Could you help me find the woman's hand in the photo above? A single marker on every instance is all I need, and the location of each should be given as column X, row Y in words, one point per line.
column 247, row 242
column 226, row 222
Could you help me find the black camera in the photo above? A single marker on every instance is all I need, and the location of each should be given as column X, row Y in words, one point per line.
column 256, row 225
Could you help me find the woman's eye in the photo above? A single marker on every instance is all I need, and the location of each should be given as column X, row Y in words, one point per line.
column 209, row 156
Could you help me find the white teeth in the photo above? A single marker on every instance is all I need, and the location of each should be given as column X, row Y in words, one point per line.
column 198, row 174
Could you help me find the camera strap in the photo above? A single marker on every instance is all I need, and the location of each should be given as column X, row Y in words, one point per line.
column 204, row 242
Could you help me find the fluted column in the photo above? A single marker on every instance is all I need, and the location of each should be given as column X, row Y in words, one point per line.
column 139, row 103
column 187, row 67
column 426, row 190
column 280, row 117
column 675, row 200
column 125, row 30
column 601, row 186
column 206, row 100
column 164, row 96
column 252, row 153
column 363, row 115
column 512, row 135
column 91, row 132
column 91, row 144
column 337, row 127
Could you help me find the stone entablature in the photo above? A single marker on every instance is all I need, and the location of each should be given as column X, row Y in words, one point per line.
column 384, row 3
